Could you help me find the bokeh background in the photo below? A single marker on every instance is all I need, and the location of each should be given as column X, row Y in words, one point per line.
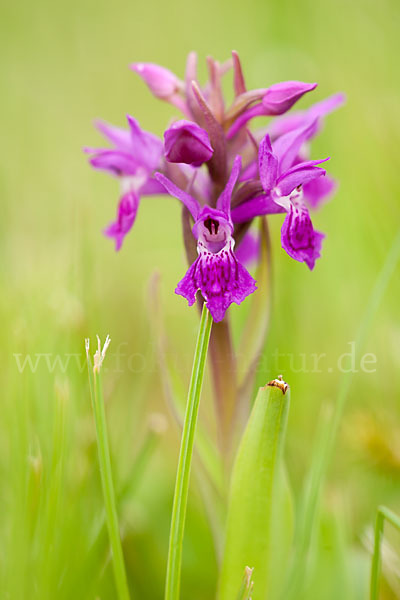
column 64, row 64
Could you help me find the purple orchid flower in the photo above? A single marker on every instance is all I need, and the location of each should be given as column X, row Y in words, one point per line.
column 187, row 142
column 282, row 183
column 134, row 157
column 135, row 151
column 216, row 272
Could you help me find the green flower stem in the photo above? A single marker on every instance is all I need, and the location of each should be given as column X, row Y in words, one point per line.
column 107, row 483
column 382, row 514
column 223, row 372
column 172, row 583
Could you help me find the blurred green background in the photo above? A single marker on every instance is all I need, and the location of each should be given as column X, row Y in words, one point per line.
column 64, row 64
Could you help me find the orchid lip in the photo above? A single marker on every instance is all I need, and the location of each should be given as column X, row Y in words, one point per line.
column 219, row 276
column 213, row 245
column 213, row 234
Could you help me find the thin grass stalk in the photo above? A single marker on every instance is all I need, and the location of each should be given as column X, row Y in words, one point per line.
column 107, row 483
column 173, row 576
column 382, row 514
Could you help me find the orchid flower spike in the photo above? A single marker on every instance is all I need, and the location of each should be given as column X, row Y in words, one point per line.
column 224, row 173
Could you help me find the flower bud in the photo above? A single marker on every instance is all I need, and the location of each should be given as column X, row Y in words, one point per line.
column 281, row 96
column 161, row 82
column 186, row 142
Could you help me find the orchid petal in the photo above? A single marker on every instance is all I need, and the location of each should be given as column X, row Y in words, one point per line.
column 115, row 162
column 116, row 135
column 298, row 119
column 146, row 147
column 190, row 76
column 239, row 84
column 300, row 174
column 287, row 147
column 299, row 238
column 191, row 203
column 224, row 201
column 267, row 164
column 321, row 109
column 126, row 215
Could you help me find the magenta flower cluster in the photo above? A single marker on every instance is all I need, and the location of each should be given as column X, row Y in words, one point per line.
column 224, row 174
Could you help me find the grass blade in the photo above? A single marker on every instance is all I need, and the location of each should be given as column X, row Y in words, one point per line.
column 172, row 584
column 382, row 514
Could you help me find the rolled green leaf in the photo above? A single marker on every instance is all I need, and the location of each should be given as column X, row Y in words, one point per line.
column 281, row 535
column 258, row 496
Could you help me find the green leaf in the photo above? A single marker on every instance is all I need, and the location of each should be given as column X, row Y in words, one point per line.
column 257, row 496
column 282, row 534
